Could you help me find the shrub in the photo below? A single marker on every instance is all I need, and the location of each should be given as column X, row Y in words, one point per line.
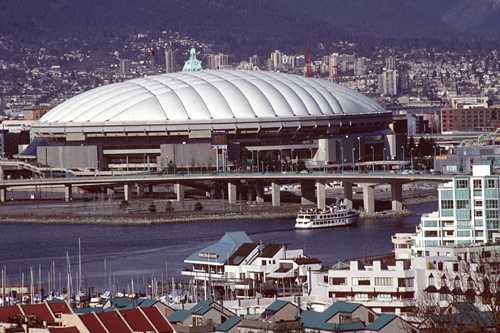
column 169, row 208
column 198, row 206
column 152, row 208
column 123, row 204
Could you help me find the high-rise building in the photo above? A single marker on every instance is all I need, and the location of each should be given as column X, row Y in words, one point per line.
column 388, row 82
column 276, row 60
column 254, row 60
column 124, row 66
column 390, row 63
column 333, row 65
column 360, row 67
column 469, row 211
column 217, row 61
column 170, row 65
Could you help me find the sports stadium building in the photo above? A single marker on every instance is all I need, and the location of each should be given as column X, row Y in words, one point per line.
column 228, row 119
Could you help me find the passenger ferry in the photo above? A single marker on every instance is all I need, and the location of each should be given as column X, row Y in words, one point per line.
column 332, row 216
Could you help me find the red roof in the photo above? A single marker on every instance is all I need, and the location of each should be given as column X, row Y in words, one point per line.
column 63, row 330
column 9, row 313
column 59, row 307
column 92, row 323
column 113, row 322
column 40, row 311
column 159, row 322
column 136, row 320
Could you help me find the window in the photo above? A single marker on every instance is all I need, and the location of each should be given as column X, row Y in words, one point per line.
column 446, row 204
column 478, row 213
column 478, row 203
column 336, row 281
column 491, row 204
column 430, row 223
column 461, row 204
column 477, row 183
column 492, row 214
column 383, row 281
column 430, row 234
column 462, row 183
column 491, row 183
column 360, row 281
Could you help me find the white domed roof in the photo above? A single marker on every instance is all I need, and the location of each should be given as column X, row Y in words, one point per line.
column 212, row 95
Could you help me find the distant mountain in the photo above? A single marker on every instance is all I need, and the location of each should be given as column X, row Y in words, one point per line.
column 252, row 25
column 242, row 24
column 407, row 18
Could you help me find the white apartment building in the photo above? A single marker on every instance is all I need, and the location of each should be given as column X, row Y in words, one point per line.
column 469, row 212
column 383, row 285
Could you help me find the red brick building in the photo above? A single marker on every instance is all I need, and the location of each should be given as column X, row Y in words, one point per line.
column 472, row 119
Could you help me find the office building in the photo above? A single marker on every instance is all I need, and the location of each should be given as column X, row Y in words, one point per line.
column 388, row 82
column 170, row 65
column 124, row 66
column 217, row 61
column 470, row 119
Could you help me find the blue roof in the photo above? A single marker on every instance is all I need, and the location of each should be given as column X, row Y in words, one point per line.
column 339, row 307
column 179, row 315
column 319, row 320
column 277, row 305
column 202, row 307
column 228, row 324
column 381, row 322
column 221, row 250
column 315, row 320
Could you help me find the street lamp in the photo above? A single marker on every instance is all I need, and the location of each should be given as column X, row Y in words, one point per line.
column 359, row 149
column 384, row 158
column 341, row 158
column 403, row 151
column 373, row 158
column 411, row 158
column 353, row 163
column 433, row 155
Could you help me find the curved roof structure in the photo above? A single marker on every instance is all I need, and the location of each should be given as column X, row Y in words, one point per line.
column 210, row 96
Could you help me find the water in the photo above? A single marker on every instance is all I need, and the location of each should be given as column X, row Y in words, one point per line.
column 142, row 251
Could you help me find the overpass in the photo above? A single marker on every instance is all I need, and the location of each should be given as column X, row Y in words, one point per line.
column 313, row 184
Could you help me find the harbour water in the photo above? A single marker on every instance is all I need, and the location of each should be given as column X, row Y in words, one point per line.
column 144, row 251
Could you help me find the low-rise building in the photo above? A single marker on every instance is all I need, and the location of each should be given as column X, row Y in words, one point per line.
column 246, row 268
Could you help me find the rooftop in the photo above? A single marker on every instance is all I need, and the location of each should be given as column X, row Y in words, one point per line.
column 218, row 252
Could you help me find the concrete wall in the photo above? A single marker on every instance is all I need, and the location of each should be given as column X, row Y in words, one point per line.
column 70, row 157
column 189, row 155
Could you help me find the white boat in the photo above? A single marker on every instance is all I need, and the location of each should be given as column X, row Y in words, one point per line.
column 331, row 216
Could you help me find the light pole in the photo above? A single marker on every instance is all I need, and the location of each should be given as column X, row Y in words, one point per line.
column 353, row 165
column 433, row 155
column 341, row 158
column 359, row 149
column 403, row 151
column 411, row 158
column 373, row 158
column 384, row 158
column 346, row 139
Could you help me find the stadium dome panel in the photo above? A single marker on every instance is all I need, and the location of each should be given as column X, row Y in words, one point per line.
column 226, row 95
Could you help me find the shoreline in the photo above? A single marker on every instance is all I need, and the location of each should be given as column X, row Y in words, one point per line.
column 157, row 218
column 140, row 215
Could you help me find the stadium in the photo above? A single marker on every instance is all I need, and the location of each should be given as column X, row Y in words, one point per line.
column 214, row 120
